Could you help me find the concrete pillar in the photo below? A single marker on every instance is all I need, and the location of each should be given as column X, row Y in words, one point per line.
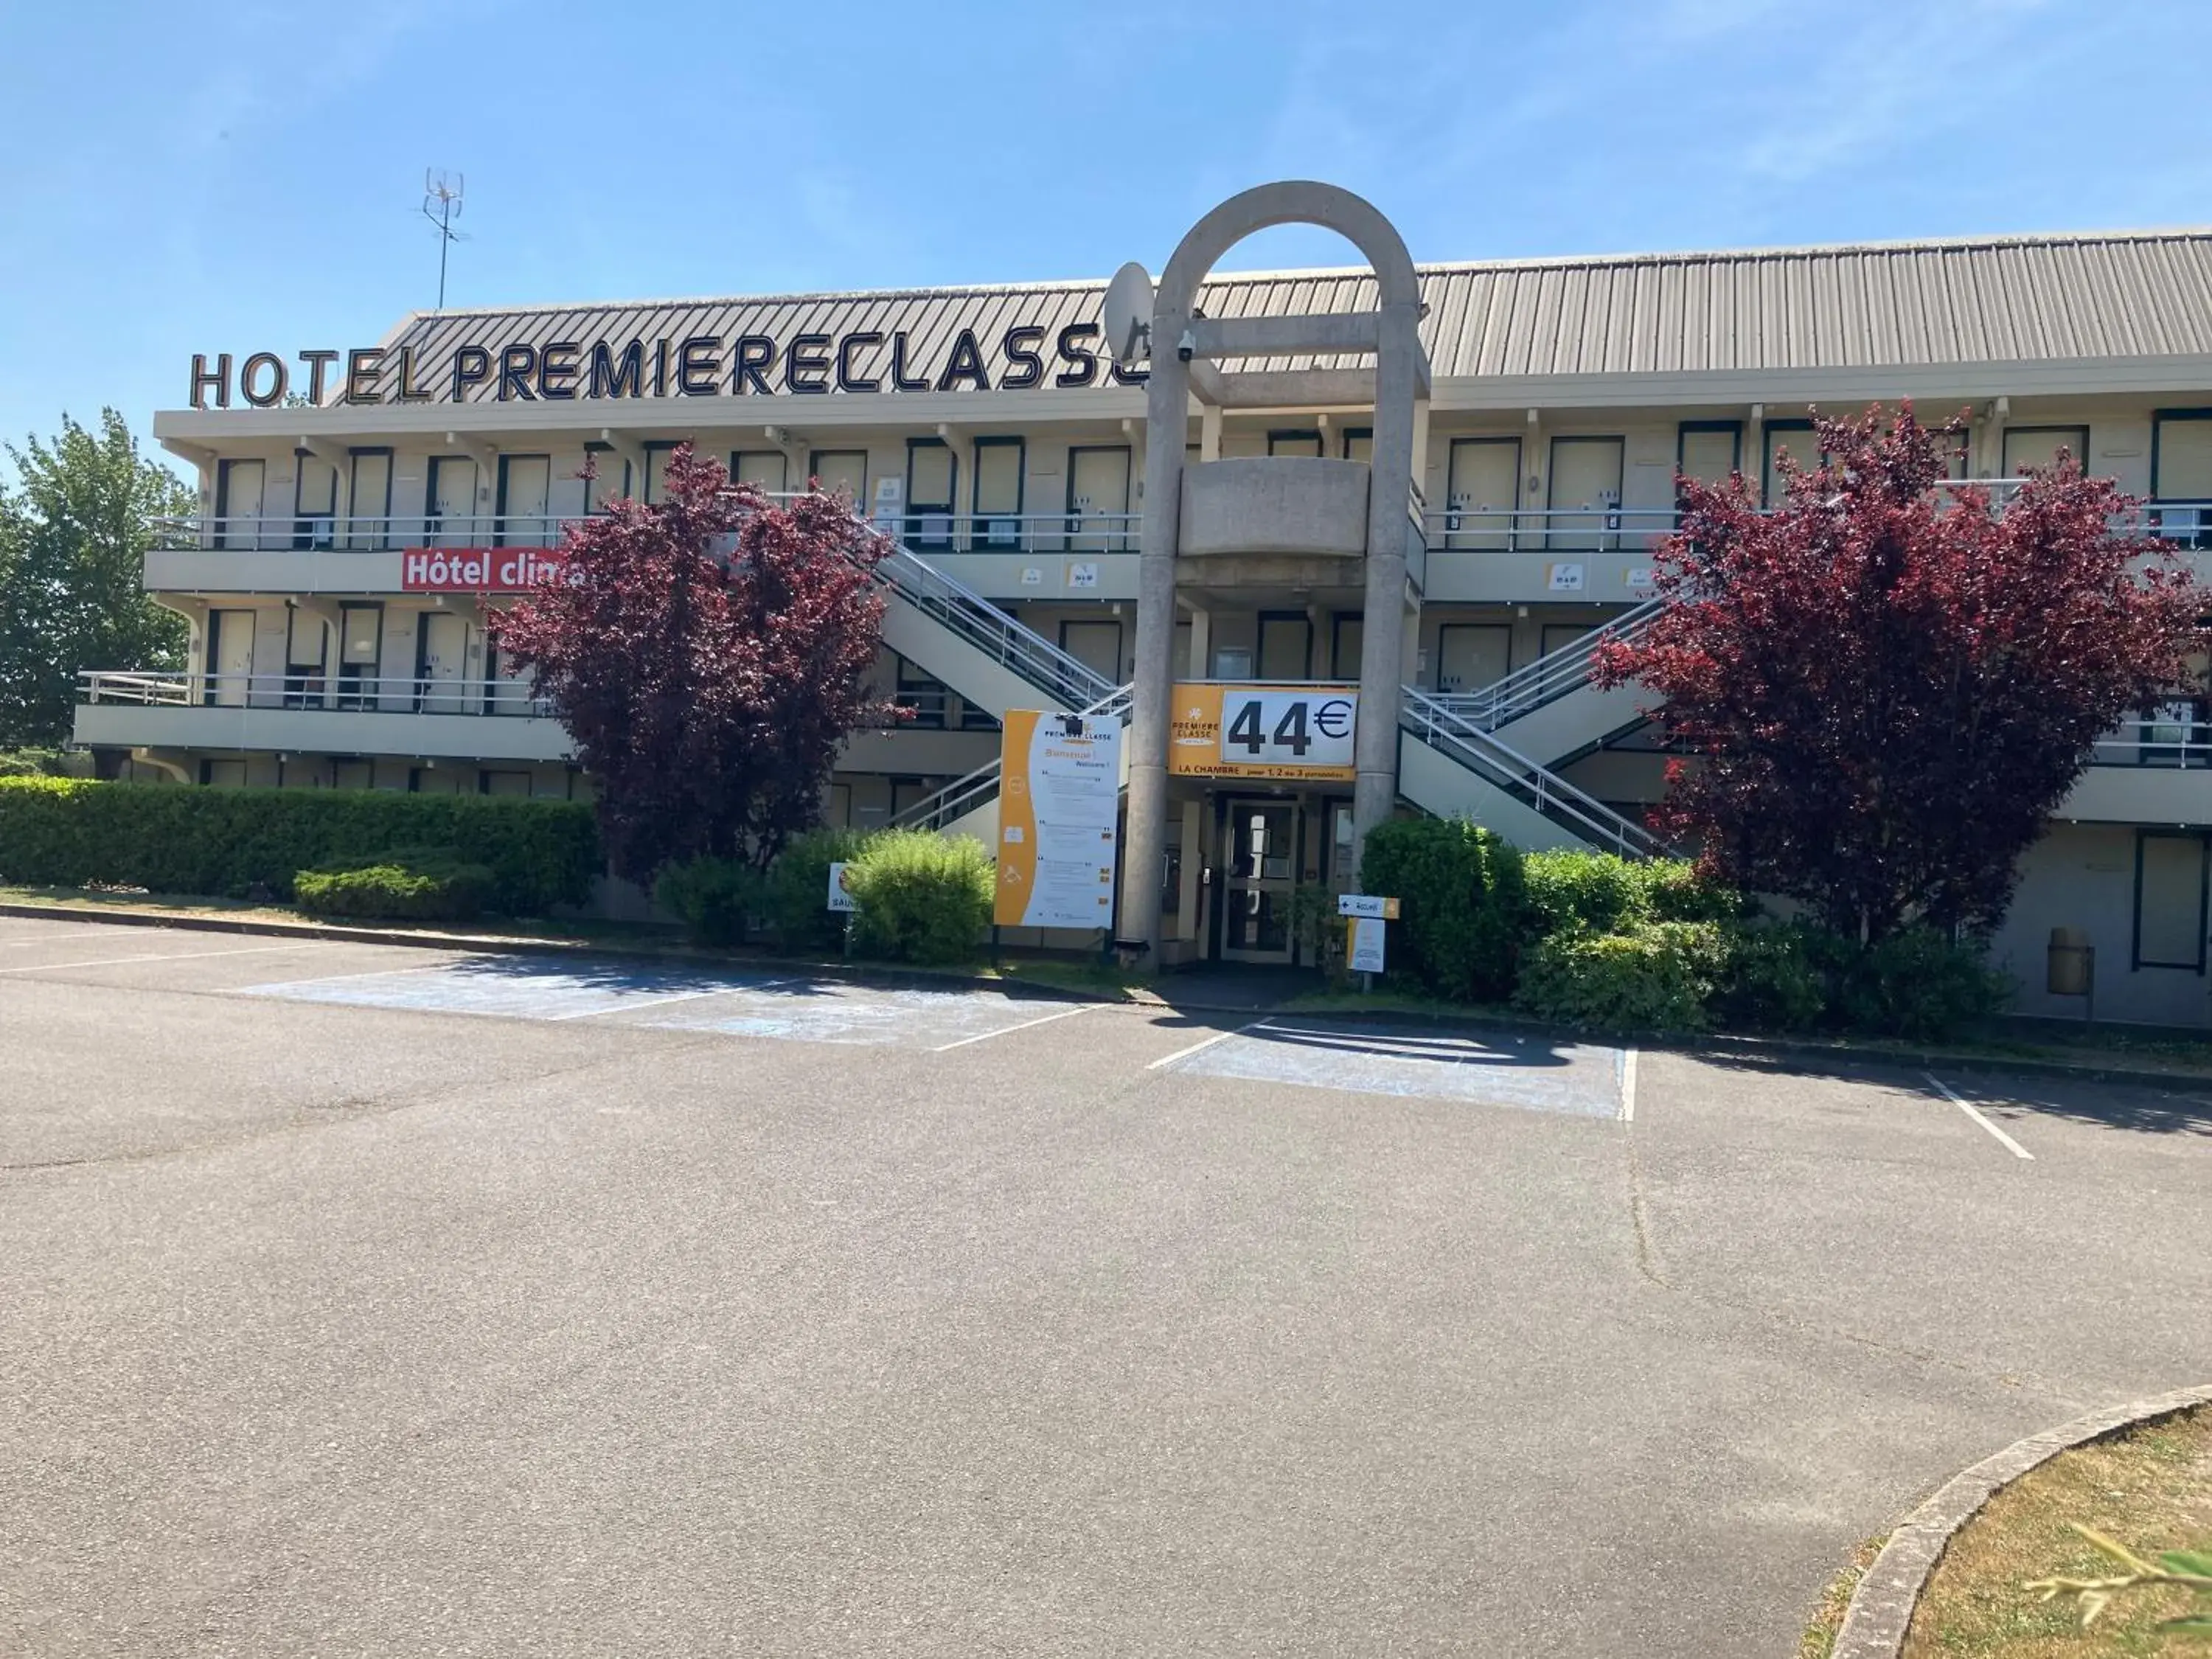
column 1167, row 403
column 1202, row 643
column 1382, row 635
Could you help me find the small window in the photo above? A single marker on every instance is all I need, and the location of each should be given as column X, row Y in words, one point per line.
column 764, row 470
column 1294, row 443
column 2170, row 894
column 1802, row 444
column 2035, row 447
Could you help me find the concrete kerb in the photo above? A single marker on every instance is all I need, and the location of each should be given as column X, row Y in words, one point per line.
column 1778, row 1051
column 1881, row 1610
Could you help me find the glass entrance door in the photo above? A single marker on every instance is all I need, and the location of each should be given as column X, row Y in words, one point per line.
column 1260, row 872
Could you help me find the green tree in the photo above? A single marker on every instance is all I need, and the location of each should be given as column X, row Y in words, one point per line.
column 73, row 540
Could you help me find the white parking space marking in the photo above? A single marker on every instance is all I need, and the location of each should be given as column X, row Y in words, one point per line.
column 1628, row 1085
column 41, row 938
column 1007, row 1030
column 157, row 956
column 1973, row 1112
column 1199, row 1048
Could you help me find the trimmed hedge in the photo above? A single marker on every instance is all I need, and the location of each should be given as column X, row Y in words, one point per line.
column 168, row 838
column 923, row 897
column 1651, row 976
column 717, row 898
column 412, row 884
column 795, row 902
column 1461, row 888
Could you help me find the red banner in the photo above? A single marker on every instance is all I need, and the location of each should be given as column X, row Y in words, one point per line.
column 475, row 569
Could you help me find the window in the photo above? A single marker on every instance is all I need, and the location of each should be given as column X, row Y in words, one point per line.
column 1294, row 443
column 239, row 490
column 314, row 501
column 223, row 774
column 656, row 469
column 1482, row 490
column 1346, row 633
column 1585, row 498
column 610, row 479
column 763, row 468
column 925, row 693
column 842, row 470
column 998, row 503
column 932, row 475
column 368, row 499
column 1360, row 444
column 1099, row 499
column 502, row 783
column 2181, row 472
column 526, row 488
column 2038, row 447
column 450, row 503
column 2170, row 891
column 1799, row 440
column 1709, row 451
column 1286, row 645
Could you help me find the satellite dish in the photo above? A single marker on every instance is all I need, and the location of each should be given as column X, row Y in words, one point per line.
column 1129, row 315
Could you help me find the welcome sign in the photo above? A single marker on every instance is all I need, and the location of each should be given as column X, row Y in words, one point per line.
column 860, row 363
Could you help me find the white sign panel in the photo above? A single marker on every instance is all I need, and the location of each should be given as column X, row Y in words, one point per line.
column 1563, row 578
column 1366, row 904
column 1366, row 951
column 841, row 897
column 1059, row 799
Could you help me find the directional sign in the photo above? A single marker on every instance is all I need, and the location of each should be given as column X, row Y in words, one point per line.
column 1286, row 732
column 1366, row 904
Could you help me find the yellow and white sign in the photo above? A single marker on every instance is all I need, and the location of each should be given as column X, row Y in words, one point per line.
column 1060, row 797
column 1290, row 733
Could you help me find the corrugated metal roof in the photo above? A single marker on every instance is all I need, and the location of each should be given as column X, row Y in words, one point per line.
column 2144, row 293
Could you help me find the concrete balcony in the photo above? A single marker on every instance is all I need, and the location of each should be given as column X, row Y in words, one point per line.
column 300, row 714
column 1295, row 505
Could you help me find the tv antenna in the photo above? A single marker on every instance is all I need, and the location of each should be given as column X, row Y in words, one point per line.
column 441, row 205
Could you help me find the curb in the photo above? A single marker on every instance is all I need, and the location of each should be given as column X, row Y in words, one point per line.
column 1738, row 1047
column 1881, row 1610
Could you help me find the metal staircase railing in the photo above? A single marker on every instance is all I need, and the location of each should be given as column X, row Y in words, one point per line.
column 1550, row 676
column 1505, row 769
column 1026, row 654
column 964, row 794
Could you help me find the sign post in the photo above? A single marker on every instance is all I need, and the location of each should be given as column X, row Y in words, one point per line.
column 1366, row 918
column 1059, row 810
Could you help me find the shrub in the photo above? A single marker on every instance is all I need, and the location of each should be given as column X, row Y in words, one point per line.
column 32, row 764
column 66, row 832
column 717, row 898
column 1655, row 976
column 1461, row 888
column 1917, row 984
column 923, row 897
column 408, row 884
column 794, row 900
column 1777, row 978
column 1603, row 892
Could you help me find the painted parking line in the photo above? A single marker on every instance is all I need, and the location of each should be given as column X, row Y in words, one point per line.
column 1008, row 1031
column 157, row 956
column 1522, row 1073
column 1627, row 1075
column 851, row 1015
column 41, row 939
column 1975, row 1113
column 1165, row 1060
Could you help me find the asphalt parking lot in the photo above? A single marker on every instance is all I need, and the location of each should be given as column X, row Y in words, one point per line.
column 374, row 1300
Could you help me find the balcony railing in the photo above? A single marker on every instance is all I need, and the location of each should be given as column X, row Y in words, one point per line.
column 2178, row 735
column 315, row 691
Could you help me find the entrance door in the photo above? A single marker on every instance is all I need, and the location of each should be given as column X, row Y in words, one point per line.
column 441, row 660
column 1260, row 874
column 1095, row 645
column 229, row 657
column 1097, row 499
column 525, row 496
column 240, row 492
column 1586, row 475
column 1470, row 655
column 452, row 503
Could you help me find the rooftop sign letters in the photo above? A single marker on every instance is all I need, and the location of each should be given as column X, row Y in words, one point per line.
column 696, row 366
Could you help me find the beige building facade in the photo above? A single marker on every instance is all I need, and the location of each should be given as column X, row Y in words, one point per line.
column 338, row 574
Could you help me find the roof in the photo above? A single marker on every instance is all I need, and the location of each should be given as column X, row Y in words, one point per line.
column 2103, row 294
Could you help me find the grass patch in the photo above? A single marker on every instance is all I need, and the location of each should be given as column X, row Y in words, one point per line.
column 1818, row 1640
column 2151, row 1488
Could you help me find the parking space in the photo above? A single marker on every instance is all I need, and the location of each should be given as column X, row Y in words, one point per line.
column 1530, row 1073
column 799, row 1008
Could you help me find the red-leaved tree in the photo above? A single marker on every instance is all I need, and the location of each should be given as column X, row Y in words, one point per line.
column 708, row 655
column 1885, row 689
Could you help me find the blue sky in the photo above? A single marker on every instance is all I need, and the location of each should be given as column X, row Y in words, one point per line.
column 229, row 177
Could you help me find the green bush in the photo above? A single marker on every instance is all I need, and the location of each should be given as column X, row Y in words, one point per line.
column 64, row 832
column 717, row 898
column 1462, row 900
column 1603, row 892
column 408, row 884
column 32, row 764
column 923, row 897
column 1654, row 977
column 1777, row 978
column 1915, row 984
column 794, row 902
